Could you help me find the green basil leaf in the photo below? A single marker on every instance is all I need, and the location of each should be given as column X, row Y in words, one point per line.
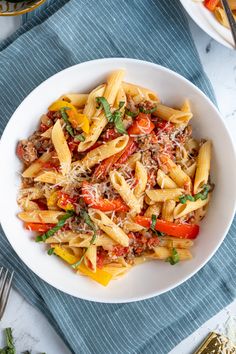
column 51, row 251
column 131, row 114
column 66, row 120
column 102, row 101
column 147, row 111
column 79, row 137
column 118, row 123
column 154, row 221
column 174, row 258
column 121, row 104
column 57, row 227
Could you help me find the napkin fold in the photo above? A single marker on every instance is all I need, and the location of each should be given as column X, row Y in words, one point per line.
column 64, row 33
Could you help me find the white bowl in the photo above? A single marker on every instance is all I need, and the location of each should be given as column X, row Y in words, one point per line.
column 145, row 280
column 208, row 23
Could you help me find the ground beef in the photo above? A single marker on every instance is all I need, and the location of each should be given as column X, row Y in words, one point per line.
column 26, row 152
column 40, row 143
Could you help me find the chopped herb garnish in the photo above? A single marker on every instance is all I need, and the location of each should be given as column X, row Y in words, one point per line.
column 66, row 120
column 130, row 113
column 121, row 104
column 153, row 226
column 79, row 137
column 57, row 227
column 154, row 221
column 51, row 251
column 201, row 195
column 183, row 198
column 118, row 122
column 147, row 111
column 204, row 193
column 174, row 258
column 89, row 222
column 106, row 107
column 114, row 117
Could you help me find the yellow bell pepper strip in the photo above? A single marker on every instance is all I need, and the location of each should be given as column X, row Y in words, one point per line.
column 57, row 105
column 52, row 200
column 76, row 119
column 99, row 276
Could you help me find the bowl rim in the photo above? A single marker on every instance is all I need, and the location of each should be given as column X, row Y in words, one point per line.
column 208, row 30
column 22, row 12
column 132, row 298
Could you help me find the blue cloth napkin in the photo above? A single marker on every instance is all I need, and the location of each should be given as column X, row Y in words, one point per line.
column 68, row 32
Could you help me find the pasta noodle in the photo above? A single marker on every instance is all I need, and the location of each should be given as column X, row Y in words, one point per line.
column 61, row 147
column 161, row 195
column 203, row 167
column 168, row 210
column 109, row 227
column 165, row 181
column 111, row 90
column 122, row 187
column 184, row 209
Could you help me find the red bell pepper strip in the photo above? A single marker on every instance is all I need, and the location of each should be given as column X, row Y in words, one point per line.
column 141, row 125
column 38, row 227
column 189, row 231
column 101, row 203
column 211, row 4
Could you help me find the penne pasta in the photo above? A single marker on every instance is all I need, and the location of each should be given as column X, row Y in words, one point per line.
column 140, row 93
column 41, row 216
column 49, row 177
column 47, row 134
column 190, row 171
column 164, row 181
column 61, row 147
column 122, row 187
column 163, row 253
column 90, row 258
column 186, row 107
column 174, row 242
column 109, row 227
column 203, row 167
column 34, row 169
column 102, row 152
column 131, row 162
column 110, row 93
column 91, row 104
column 221, row 16
column 77, row 99
column 103, row 241
column 172, row 115
column 161, row 195
column 168, row 210
column 141, row 177
column 153, row 210
column 176, row 173
column 63, row 237
column 184, row 209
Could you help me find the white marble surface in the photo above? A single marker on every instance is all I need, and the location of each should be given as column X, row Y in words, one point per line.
column 32, row 331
